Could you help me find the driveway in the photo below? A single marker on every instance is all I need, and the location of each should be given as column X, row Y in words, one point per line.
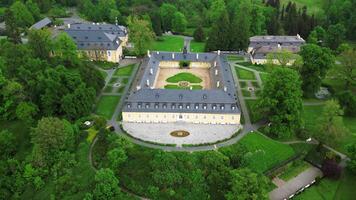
column 294, row 185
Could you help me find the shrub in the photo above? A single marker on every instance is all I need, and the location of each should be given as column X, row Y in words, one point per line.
column 184, row 64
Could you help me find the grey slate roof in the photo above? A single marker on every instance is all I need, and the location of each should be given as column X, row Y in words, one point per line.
column 215, row 100
column 96, row 36
column 41, row 24
column 276, row 38
column 121, row 31
column 261, row 52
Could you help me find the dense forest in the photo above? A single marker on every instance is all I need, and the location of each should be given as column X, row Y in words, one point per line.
column 47, row 90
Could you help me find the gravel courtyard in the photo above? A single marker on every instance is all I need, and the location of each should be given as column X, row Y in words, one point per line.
column 199, row 133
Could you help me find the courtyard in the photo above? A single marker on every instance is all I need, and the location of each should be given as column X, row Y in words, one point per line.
column 197, row 133
column 169, row 78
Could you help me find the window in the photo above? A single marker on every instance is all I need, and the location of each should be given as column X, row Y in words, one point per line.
column 147, row 105
column 197, row 106
column 180, row 106
column 204, row 106
column 109, row 53
column 156, row 106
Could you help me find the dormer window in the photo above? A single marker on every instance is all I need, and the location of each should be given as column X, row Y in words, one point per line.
column 128, row 105
column 188, row 106
column 214, row 107
column 196, row 106
column 164, row 106
column 204, row 106
column 147, row 105
column 156, row 106
column 222, row 107
column 173, row 106
column 233, row 107
column 180, row 106
column 139, row 105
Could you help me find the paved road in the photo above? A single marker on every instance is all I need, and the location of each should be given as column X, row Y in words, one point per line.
column 295, row 184
column 187, row 42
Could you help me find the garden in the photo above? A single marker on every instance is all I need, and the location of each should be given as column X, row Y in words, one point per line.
column 184, row 80
column 168, row 43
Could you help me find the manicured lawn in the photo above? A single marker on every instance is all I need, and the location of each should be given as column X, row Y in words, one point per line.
column 194, row 87
column 255, row 84
column 235, row 58
column 125, row 71
column 105, row 65
column 245, row 74
column 293, row 169
column 125, row 80
column 264, row 153
column 325, row 190
column 197, row 46
column 314, row 7
column 253, row 111
column 243, row 84
column 114, row 80
column 264, row 77
column 310, row 117
column 246, row 93
column 168, row 43
column 108, row 89
column 184, row 76
column 260, row 68
column 106, row 106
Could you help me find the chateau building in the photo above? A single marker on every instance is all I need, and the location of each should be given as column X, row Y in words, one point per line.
column 215, row 103
column 102, row 42
column 260, row 46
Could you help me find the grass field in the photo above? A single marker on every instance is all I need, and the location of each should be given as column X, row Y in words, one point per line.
column 245, row 74
column 125, row 71
column 194, row 87
column 105, row 65
column 264, row 153
column 168, row 43
column 235, row 58
column 184, row 76
column 310, row 117
column 197, row 46
column 314, row 6
column 246, row 93
column 264, row 77
column 294, row 169
column 106, row 106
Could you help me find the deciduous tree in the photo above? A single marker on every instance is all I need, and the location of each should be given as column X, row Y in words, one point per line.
column 199, row 34
column 141, row 34
column 281, row 101
column 316, row 62
column 179, row 23
column 246, row 184
column 330, row 127
column 106, row 185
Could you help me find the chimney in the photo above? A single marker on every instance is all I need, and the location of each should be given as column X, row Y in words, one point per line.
column 197, row 56
column 148, row 53
column 147, row 82
column 216, row 72
column 172, row 55
column 219, row 52
column 138, row 87
column 68, row 25
column 218, row 84
column 225, row 88
column 151, row 71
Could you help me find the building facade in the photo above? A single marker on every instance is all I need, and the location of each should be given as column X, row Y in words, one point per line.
column 217, row 105
column 100, row 42
column 261, row 46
